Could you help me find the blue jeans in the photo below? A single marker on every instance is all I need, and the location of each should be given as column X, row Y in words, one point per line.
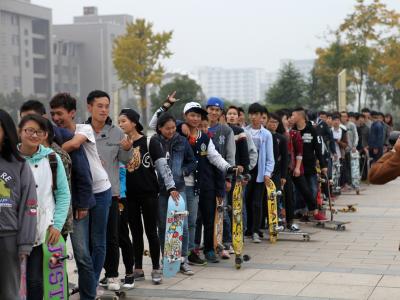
column 98, row 230
column 192, row 204
column 312, row 181
column 163, row 206
column 227, row 227
column 80, row 244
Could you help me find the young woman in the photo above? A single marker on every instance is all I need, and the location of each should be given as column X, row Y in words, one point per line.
column 52, row 204
column 142, row 189
column 17, row 209
column 181, row 161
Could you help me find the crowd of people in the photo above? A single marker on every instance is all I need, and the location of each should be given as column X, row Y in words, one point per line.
column 99, row 184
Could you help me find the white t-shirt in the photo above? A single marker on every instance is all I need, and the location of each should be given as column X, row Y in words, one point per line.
column 337, row 135
column 99, row 175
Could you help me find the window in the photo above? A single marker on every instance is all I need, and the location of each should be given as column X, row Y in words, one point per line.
column 14, row 20
column 55, row 49
column 26, row 32
column 16, row 60
column 17, row 82
column 15, row 39
column 26, row 53
column 26, row 42
column 56, row 69
column 26, row 64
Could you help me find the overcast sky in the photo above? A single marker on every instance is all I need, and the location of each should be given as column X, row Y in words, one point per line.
column 227, row 33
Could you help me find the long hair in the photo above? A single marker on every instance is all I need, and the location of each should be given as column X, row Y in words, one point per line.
column 10, row 139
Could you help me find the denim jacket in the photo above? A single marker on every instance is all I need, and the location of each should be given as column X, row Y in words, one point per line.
column 180, row 159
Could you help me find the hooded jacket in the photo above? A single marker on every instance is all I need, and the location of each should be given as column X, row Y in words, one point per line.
column 18, row 203
column 52, row 208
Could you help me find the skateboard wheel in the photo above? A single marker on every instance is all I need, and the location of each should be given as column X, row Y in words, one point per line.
column 306, row 238
column 246, row 257
column 238, row 266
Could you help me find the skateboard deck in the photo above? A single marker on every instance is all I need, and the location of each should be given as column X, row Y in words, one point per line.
column 349, row 208
column 355, row 170
column 306, row 236
column 336, row 177
column 272, row 205
column 173, row 237
column 55, row 275
column 218, row 224
column 114, row 295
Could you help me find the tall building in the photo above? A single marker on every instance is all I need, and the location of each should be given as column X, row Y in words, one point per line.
column 244, row 85
column 85, row 48
column 25, row 48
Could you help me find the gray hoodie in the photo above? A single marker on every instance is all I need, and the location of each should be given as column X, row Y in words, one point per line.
column 18, row 203
column 111, row 153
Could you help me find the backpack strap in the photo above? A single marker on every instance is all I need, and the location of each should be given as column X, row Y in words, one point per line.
column 53, row 166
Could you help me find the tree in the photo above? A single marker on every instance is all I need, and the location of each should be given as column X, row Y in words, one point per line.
column 136, row 57
column 186, row 90
column 289, row 89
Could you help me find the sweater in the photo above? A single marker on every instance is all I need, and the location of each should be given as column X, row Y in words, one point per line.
column 386, row 169
column 18, row 203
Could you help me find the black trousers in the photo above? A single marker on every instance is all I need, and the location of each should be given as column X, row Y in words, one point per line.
column 305, row 191
column 34, row 274
column 207, row 203
column 9, row 260
column 148, row 206
column 288, row 199
column 125, row 242
column 254, row 203
column 112, row 251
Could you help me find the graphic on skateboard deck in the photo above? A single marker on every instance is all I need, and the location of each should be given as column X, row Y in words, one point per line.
column 336, row 177
column 176, row 214
column 55, row 275
column 355, row 170
column 218, row 224
column 237, row 221
column 272, row 210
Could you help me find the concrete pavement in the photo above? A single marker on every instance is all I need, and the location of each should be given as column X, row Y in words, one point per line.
column 362, row 262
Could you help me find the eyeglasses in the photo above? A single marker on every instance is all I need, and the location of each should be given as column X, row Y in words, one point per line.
column 31, row 131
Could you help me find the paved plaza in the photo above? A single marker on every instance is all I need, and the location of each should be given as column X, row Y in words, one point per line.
column 362, row 262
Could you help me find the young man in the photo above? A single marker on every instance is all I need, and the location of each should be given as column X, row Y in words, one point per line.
column 207, row 181
column 82, row 201
column 224, row 141
column 367, row 115
column 113, row 148
column 312, row 150
column 63, row 110
column 262, row 172
column 362, row 147
column 341, row 145
column 376, row 137
column 352, row 139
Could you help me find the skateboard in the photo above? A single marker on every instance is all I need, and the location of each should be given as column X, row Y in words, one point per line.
column 272, row 205
column 23, row 290
column 355, row 170
column 176, row 214
column 348, row 208
column 55, row 275
column 237, row 221
column 218, row 224
column 121, row 293
column 336, row 177
column 304, row 235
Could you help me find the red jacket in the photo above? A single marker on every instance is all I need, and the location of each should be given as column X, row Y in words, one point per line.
column 295, row 149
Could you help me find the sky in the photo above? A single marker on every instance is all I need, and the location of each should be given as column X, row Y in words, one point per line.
column 228, row 33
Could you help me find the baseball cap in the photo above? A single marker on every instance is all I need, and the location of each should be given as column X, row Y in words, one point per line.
column 215, row 101
column 133, row 116
column 194, row 107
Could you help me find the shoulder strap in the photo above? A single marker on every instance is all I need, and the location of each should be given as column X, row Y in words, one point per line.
column 53, row 166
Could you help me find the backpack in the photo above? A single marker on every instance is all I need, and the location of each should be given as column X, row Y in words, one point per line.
column 53, row 166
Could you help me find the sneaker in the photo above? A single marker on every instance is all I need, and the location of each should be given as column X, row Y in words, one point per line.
column 319, row 217
column 138, row 275
column 129, row 281
column 230, row 250
column 103, row 282
column 256, row 238
column 225, row 254
column 195, row 260
column 156, row 276
column 305, row 219
column 211, row 257
column 293, row 227
column 185, row 269
column 113, row 284
column 261, row 234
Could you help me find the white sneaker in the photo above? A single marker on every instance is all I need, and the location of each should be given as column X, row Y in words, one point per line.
column 256, row 238
column 231, row 251
column 113, row 284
